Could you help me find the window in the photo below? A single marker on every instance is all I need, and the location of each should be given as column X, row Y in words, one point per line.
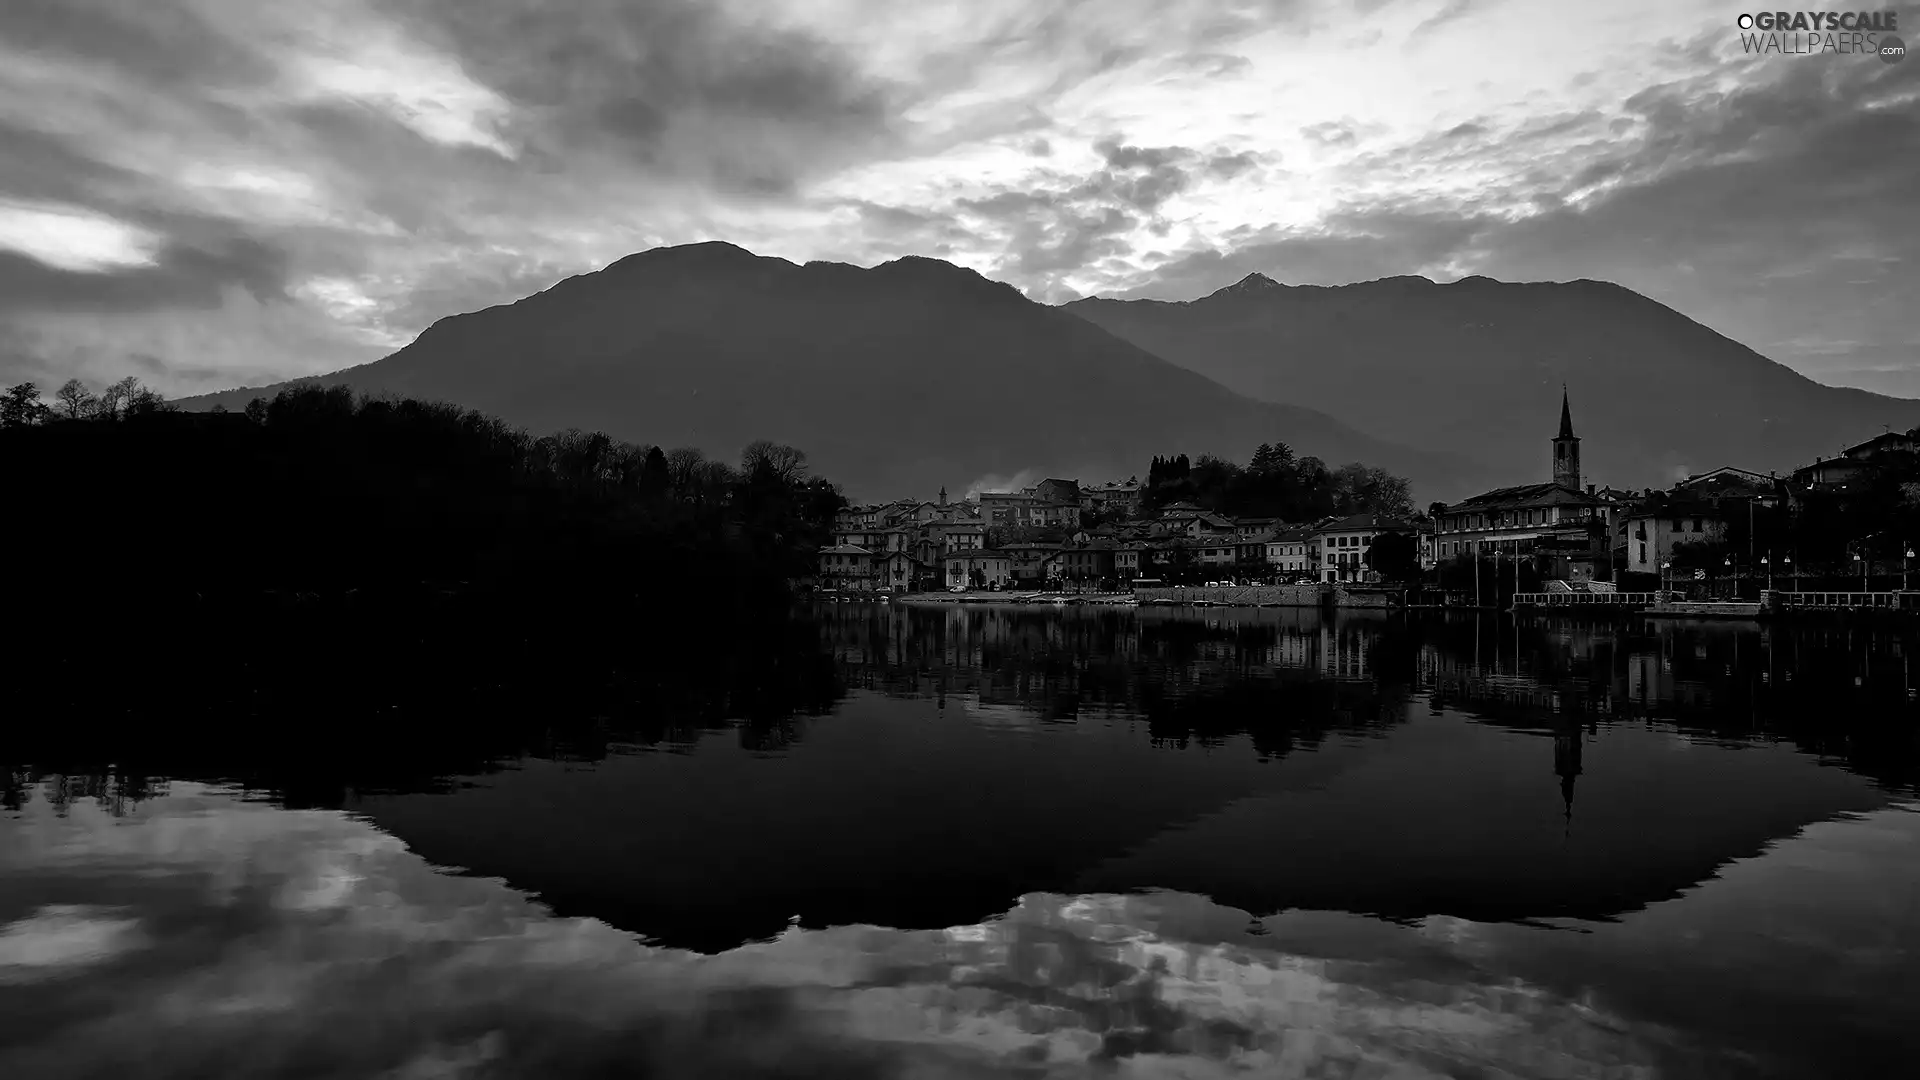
column 1696, row 525
column 1643, row 553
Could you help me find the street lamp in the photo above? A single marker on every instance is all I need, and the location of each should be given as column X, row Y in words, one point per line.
column 1728, row 564
column 1793, row 582
column 1666, row 578
column 1906, row 566
column 1767, row 561
column 1863, row 570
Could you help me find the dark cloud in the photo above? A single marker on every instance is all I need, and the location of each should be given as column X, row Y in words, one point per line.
column 181, row 276
column 1138, row 157
column 1228, row 166
column 39, row 166
column 1212, row 65
column 1331, row 133
column 1454, row 10
column 165, row 44
column 676, row 84
column 1750, row 209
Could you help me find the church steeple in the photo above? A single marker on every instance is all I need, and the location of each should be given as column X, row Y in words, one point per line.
column 1566, row 447
column 1567, row 745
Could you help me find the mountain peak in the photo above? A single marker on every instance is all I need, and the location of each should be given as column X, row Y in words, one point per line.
column 1254, row 282
column 922, row 271
column 707, row 254
column 922, row 264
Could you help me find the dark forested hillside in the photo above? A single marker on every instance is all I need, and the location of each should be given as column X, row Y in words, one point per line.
column 315, row 491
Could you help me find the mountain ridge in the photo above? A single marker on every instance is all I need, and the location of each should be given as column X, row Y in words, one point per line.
column 896, row 379
column 1477, row 364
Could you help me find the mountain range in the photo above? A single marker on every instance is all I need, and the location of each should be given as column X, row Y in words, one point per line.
column 896, row 380
column 915, row 374
column 1477, row 366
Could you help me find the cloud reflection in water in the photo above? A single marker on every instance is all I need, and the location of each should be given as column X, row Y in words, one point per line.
column 209, row 936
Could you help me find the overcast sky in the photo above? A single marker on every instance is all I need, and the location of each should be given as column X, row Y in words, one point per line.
column 208, row 193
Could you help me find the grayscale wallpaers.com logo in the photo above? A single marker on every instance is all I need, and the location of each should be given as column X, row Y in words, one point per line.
column 1806, row 32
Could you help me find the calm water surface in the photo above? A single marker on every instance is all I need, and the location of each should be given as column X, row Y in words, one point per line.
column 958, row 841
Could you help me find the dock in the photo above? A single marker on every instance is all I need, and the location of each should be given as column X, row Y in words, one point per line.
column 1772, row 603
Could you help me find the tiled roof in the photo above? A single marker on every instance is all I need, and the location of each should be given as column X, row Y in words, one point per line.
column 1885, row 439
column 844, row 549
column 1525, row 495
column 1358, row 522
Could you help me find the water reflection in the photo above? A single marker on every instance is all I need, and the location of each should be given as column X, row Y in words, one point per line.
column 202, row 935
column 1441, row 845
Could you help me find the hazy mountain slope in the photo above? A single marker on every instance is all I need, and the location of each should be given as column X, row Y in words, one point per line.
column 896, row 379
column 1475, row 367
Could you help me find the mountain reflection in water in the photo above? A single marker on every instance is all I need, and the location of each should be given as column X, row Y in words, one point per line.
column 1201, row 844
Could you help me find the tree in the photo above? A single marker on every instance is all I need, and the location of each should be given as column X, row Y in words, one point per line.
column 653, row 472
column 1271, row 459
column 1367, row 489
column 1394, row 556
column 75, row 399
column 120, row 398
column 765, row 458
column 21, row 406
column 144, row 401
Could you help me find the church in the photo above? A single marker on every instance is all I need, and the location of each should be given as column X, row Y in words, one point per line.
column 1561, row 525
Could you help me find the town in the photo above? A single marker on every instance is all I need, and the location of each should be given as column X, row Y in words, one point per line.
column 1840, row 524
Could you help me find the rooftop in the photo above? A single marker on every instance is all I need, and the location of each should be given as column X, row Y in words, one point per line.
column 1359, row 522
column 1526, row 495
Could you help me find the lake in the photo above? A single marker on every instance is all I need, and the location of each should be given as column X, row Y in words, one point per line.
column 954, row 840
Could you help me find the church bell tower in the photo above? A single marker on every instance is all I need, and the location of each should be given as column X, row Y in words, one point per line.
column 1566, row 448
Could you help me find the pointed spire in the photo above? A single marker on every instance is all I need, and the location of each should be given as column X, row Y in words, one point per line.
column 1566, row 414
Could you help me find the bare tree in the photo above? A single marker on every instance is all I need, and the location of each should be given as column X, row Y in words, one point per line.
column 117, row 396
column 75, row 399
column 683, row 464
column 783, row 463
column 146, row 400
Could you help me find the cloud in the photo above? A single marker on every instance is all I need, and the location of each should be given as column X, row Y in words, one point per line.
column 994, row 482
column 76, row 261
column 1331, row 133
column 73, row 240
column 355, row 169
column 674, row 86
column 1689, row 186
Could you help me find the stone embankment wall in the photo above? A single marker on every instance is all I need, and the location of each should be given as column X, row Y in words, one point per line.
column 1247, row 595
column 1382, row 600
column 1270, row 596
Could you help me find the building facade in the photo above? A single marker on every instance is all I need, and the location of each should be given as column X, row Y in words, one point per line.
column 981, row 569
column 1294, row 552
column 1555, row 521
column 848, row 567
column 1344, row 545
